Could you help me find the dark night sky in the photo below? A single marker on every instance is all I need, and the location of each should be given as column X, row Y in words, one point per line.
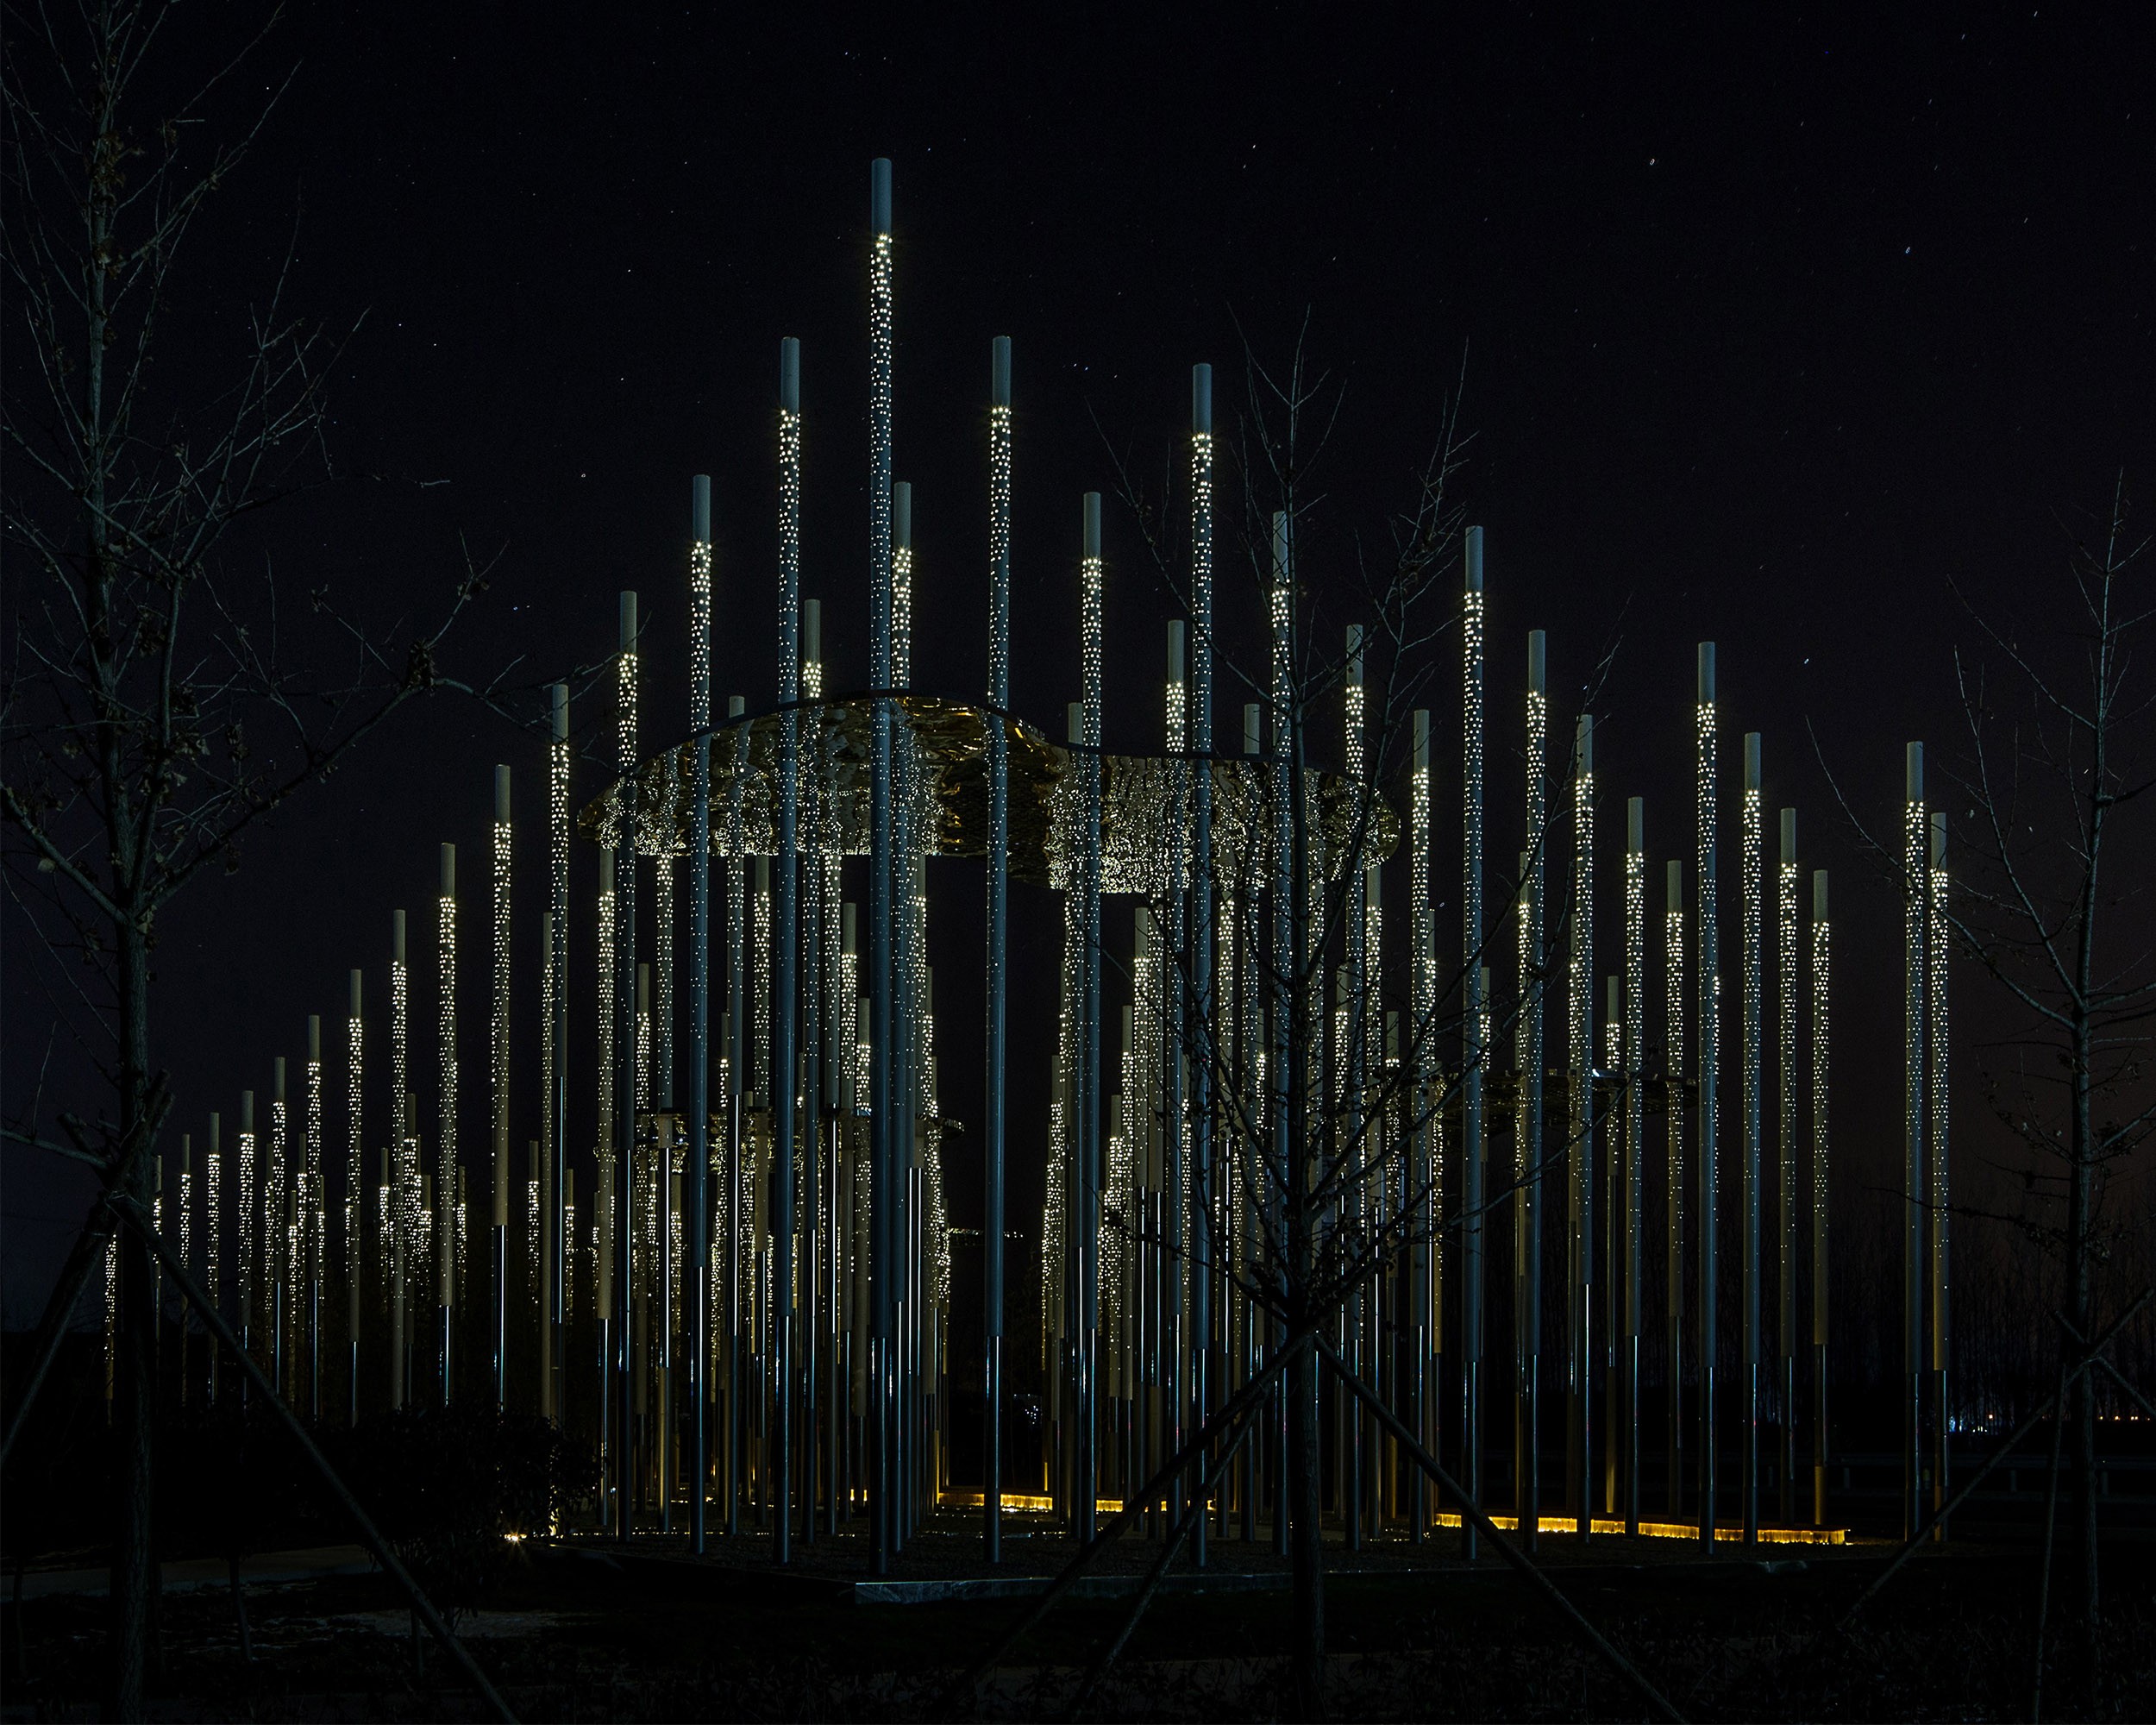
column 1771, row 326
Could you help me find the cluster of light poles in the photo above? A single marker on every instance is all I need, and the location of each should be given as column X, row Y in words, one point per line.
column 766, row 1260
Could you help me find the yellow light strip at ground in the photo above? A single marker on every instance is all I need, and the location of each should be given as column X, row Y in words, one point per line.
column 1551, row 1524
column 1023, row 1500
column 1667, row 1530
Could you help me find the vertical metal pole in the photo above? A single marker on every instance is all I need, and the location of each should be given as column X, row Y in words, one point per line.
column 1358, row 1316
column 622, row 1198
column 1278, row 964
column 1089, row 631
column 1580, row 1160
column 1532, row 1076
column 814, row 1036
column 608, row 1100
column 1634, row 1050
column 740, row 1257
column 355, row 1196
column 402, row 1178
column 499, row 1064
column 882, row 1163
column 1419, row 1188
column 999, row 881
column 1788, row 975
column 785, row 1079
column 1821, row 954
column 1752, row 1074
column 698, row 1196
column 1200, row 1001
column 213, row 1237
column 554, row 1315
column 1673, row 1179
column 276, row 1242
column 1708, row 984
column 1915, row 919
column 1472, row 1054
column 1937, row 951
column 446, row 1122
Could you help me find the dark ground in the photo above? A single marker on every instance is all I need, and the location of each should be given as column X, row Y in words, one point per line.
column 576, row 1633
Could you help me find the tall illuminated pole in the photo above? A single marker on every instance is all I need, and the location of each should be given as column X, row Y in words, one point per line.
column 1633, row 1048
column 213, row 1233
column 698, row 1193
column 1580, row 1128
column 1419, row 1187
column 1789, row 983
column 1089, row 1105
column 246, row 1261
column 1673, row 944
column 1528, row 1208
column 403, row 1178
column 312, row 1219
column 608, row 980
column 1280, row 1008
column 186, row 1243
column 998, row 883
column 1199, row 1000
column 553, row 1187
column 620, row 1201
column 1751, row 1075
column 1915, row 921
column 276, row 1244
column 1936, row 953
column 883, row 1096
column 498, row 1050
column 1472, row 1054
column 354, row 1191
column 445, row 1128
column 733, row 1208
column 784, row 1080
column 1822, row 1144
column 1358, row 897
column 1707, row 982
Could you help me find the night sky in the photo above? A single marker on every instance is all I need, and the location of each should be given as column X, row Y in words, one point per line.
column 1767, row 328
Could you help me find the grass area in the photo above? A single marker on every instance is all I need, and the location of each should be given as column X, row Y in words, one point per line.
column 574, row 1635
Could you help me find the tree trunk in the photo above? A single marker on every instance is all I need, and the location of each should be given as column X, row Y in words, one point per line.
column 134, row 1414
column 1305, row 1553
column 2080, row 1311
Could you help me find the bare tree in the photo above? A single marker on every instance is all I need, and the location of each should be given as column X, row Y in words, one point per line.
column 2050, row 901
column 1328, row 1092
column 157, row 709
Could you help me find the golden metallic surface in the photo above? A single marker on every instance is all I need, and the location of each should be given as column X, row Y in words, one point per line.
column 1143, row 797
